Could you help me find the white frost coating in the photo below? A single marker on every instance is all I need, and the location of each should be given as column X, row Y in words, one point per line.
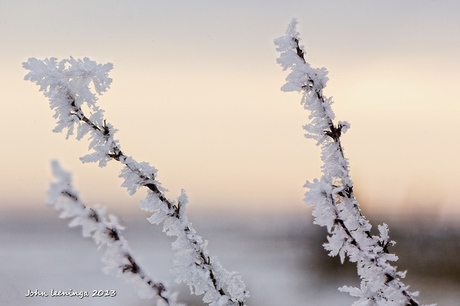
column 70, row 79
column 106, row 233
column 193, row 264
column 332, row 198
column 68, row 85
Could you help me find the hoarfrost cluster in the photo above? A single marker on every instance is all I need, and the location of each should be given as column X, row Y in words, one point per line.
column 334, row 204
column 72, row 87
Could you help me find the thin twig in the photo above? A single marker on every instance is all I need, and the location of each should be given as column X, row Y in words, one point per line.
column 103, row 231
column 335, row 204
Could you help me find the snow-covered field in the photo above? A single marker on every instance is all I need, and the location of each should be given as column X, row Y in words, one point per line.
column 273, row 257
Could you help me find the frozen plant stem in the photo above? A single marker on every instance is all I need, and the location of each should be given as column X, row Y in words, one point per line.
column 105, row 232
column 335, row 205
column 69, row 85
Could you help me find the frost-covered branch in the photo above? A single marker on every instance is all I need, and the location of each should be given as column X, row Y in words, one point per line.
column 332, row 197
column 69, row 85
column 105, row 232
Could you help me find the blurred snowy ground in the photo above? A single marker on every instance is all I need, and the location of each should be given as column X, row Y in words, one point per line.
column 280, row 259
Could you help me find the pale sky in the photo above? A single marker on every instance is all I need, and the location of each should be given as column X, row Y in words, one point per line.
column 196, row 93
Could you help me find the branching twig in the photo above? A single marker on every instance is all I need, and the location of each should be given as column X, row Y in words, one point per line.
column 67, row 85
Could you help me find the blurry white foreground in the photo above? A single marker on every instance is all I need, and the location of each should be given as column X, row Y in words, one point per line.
column 282, row 262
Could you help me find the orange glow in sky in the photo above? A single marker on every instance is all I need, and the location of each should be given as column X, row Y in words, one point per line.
column 196, row 93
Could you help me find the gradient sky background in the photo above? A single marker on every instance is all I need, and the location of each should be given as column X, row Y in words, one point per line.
column 196, row 93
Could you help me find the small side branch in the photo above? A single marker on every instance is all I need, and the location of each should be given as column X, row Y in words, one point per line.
column 105, row 232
